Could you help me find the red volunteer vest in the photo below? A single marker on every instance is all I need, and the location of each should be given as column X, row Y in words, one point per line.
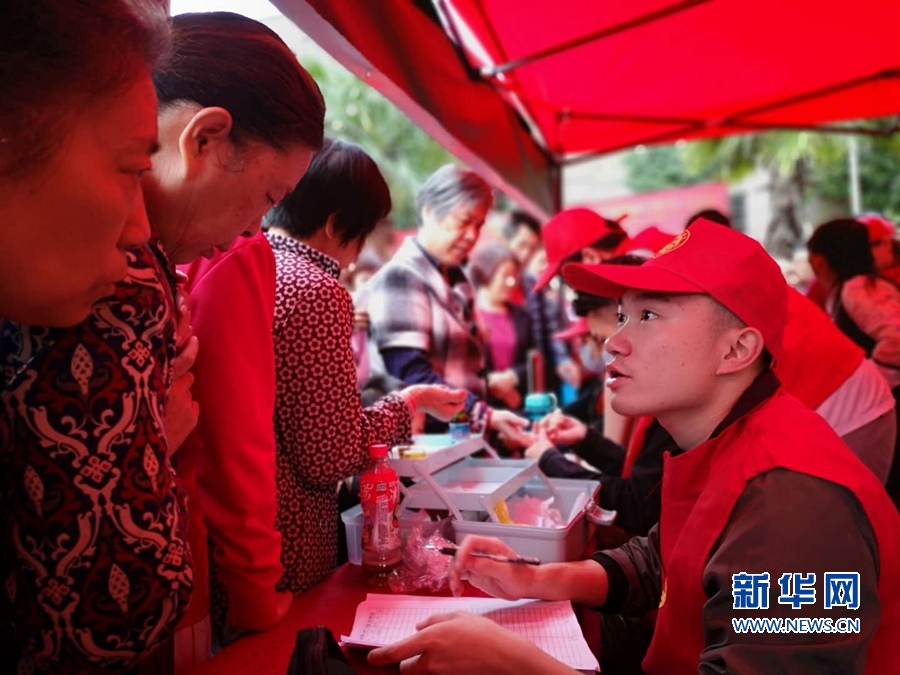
column 700, row 489
column 817, row 357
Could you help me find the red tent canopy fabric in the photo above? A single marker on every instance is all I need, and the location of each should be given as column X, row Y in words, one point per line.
column 587, row 77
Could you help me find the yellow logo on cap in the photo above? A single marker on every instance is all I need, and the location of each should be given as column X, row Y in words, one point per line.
column 677, row 242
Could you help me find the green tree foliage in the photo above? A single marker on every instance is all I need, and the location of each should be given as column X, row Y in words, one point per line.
column 658, row 167
column 879, row 177
column 802, row 167
column 405, row 154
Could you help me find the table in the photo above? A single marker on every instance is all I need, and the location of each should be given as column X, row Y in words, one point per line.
column 331, row 603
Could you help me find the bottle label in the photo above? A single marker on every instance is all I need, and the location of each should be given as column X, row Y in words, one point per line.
column 380, row 501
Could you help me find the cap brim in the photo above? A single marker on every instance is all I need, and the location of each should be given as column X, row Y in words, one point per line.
column 546, row 276
column 611, row 281
column 577, row 329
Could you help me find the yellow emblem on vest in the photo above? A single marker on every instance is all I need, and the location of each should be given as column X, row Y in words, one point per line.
column 662, row 598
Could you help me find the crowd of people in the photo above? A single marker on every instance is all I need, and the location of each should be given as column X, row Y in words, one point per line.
column 202, row 331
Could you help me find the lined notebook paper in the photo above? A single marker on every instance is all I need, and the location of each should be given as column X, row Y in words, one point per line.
column 384, row 619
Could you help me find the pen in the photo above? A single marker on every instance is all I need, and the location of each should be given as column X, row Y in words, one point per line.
column 515, row 560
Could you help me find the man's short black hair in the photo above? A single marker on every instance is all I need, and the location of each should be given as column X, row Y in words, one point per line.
column 584, row 303
column 343, row 181
column 517, row 219
column 713, row 215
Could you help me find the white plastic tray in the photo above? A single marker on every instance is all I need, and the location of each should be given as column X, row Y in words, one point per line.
column 470, row 484
column 440, row 451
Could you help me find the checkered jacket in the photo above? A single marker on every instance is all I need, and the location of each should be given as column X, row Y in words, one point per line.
column 411, row 306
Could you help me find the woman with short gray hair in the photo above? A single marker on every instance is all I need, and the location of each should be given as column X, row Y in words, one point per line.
column 421, row 303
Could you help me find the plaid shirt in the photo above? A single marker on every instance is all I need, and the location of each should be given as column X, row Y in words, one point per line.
column 411, row 306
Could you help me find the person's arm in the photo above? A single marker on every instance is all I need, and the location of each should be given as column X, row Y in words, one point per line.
column 777, row 526
column 636, row 499
column 634, row 575
column 232, row 307
column 318, row 400
column 555, row 464
column 583, row 581
column 600, row 452
column 412, row 366
column 461, row 642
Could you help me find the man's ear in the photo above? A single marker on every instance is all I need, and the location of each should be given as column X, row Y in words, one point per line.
column 742, row 349
column 205, row 137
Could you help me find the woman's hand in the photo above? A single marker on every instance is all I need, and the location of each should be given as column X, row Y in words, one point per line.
column 510, row 428
column 537, row 449
column 437, row 400
column 561, row 429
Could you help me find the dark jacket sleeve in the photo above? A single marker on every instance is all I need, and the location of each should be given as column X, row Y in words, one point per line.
column 413, row 367
column 790, row 522
column 636, row 499
column 600, row 452
column 555, row 464
column 635, row 577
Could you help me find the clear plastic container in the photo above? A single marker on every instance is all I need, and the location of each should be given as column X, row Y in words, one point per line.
column 353, row 524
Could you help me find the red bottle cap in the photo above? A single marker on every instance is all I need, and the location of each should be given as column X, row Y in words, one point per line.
column 378, row 450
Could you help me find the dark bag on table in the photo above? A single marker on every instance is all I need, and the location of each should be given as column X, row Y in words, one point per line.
column 317, row 653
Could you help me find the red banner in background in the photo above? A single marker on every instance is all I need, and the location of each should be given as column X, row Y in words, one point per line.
column 668, row 210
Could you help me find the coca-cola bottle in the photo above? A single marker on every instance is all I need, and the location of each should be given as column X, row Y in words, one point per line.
column 379, row 493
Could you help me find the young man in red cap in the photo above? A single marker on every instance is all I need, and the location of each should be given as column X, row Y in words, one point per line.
column 579, row 235
column 766, row 514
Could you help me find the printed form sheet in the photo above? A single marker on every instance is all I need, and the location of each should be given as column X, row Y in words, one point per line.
column 384, row 619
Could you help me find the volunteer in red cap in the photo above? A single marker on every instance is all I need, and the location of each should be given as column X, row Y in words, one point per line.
column 577, row 235
column 579, row 232
column 760, row 495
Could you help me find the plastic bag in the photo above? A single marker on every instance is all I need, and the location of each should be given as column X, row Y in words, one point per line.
column 532, row 511
column 424, row 566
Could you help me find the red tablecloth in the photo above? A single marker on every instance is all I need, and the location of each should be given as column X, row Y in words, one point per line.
column 331, row 603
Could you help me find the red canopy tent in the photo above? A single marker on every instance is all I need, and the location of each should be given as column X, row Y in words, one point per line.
column 520, row 89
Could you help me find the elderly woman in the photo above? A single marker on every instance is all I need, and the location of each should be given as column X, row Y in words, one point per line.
column 421, row 303
column 70, row 199
column 70, row 206
column 99, row 520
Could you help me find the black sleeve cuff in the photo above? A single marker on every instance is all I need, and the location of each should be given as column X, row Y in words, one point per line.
column 617, row 585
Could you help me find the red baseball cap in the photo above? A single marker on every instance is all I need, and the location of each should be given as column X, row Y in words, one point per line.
column 649, row 239
column 879, row 227
column 730, row 267
column 568, row 232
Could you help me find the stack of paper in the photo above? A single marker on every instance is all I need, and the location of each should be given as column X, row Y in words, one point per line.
column 384, row 619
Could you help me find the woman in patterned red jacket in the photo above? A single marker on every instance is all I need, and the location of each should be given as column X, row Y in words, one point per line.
column 322, row 433
column 101, row 570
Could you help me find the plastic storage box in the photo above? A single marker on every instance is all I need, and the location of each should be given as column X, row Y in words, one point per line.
column 353, row 522
column 548, row 544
